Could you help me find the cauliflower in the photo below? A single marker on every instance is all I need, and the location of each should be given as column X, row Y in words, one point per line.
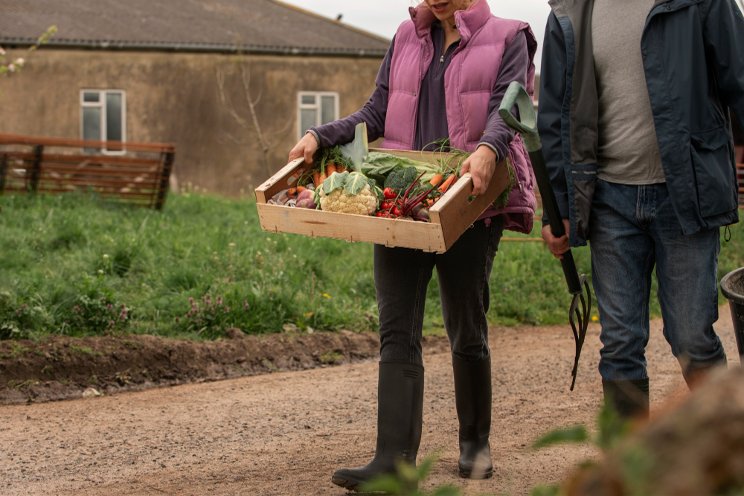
column 349, row 193
column 338, row 200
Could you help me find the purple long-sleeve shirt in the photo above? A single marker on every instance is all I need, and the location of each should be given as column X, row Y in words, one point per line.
column 431, row 120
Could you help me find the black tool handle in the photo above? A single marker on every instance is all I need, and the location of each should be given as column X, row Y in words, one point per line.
column 526, row 125
column 550, row 206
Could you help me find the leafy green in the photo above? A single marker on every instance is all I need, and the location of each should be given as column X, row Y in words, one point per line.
column 546, row 490
column 387, row 161
column 355, row 182
column 357, row 149
column 406, row 480
column 351, row 182
column 334, row 182
column 378, row 165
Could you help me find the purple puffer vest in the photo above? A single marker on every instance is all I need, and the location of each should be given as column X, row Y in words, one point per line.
column 469, row 81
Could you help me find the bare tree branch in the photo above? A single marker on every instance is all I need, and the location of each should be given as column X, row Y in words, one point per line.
column 265, row 143
column 223, row 98
column 246, row 77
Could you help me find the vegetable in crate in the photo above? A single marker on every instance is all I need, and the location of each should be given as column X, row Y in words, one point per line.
column 401, row 178
column 330, row 160
column 347, row 192
column 281, row 198
column 378, row 165
column 306, row 199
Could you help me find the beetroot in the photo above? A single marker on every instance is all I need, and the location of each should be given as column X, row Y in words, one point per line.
column 306, row 199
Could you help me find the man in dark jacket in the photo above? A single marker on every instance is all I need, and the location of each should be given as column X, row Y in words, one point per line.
column 635, row 120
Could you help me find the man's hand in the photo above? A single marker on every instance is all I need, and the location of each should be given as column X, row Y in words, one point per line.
column 481, row 164
column 306, row 148
column 557, row 246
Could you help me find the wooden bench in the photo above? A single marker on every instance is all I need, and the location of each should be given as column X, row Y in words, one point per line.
column 136, row 173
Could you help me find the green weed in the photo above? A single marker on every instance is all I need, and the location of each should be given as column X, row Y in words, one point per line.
column 611, row 429
column 406, row 481
column 331, row 358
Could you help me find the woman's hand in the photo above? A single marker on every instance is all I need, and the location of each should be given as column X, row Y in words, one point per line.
column 306, row 148
column 481, row 164
column 557, row 246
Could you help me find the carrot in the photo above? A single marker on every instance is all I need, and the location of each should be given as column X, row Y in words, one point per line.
column 436, row 179
column 330, row 168
column 300, row 189
column 292, row 192
column 447, row 183
column 316, row 178
column 340, row 168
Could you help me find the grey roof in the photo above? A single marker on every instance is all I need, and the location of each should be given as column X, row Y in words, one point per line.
column 254, row 26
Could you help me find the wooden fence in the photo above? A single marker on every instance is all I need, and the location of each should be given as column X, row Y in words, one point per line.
column 136, row 173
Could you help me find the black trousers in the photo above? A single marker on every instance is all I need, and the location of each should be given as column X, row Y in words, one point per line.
column 402, row 276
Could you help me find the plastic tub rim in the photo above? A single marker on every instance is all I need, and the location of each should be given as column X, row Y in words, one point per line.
column 728, row 292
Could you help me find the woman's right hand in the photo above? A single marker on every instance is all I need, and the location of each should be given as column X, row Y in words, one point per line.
column 306, row 148
column 557, row 246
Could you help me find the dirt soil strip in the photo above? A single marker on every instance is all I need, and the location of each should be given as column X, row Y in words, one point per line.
column 284, row 433
column 64, row 368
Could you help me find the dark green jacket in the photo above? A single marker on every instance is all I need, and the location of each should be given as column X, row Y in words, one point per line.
column 693, row 56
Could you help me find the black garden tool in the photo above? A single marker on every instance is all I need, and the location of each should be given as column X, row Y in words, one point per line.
column 526, row 126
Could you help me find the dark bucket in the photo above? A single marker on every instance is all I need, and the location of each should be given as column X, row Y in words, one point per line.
column 732, row 286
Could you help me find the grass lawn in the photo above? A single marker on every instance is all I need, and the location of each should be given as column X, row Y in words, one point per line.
column 75, row 265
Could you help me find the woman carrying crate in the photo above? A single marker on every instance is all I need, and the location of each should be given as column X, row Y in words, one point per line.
column 443, row 77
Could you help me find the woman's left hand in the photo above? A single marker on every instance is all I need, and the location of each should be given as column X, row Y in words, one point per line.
column 481, row 164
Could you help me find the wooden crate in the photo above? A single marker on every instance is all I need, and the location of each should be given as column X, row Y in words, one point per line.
column 450, row 216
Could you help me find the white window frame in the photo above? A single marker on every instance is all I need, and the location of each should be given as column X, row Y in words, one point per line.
column 101, row 104
column 314, row 106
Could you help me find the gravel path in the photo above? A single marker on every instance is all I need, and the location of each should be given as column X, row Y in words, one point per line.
column 284, row 433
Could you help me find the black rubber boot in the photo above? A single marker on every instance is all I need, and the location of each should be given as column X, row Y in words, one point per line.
column 629, row 399
column 400, row 404
column 473, row 401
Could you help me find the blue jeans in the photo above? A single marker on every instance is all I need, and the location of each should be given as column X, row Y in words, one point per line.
column 633, row 229
column 402, row 276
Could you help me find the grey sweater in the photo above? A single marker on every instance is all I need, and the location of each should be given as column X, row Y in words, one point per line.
column 628, row 151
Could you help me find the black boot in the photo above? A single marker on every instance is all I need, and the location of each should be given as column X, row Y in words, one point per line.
column 473, row 401
column 400, row 401
column 629, row 399
column 696, row 374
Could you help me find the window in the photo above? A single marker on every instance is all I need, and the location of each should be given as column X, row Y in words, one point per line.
column 316, row 108
column 102, row 117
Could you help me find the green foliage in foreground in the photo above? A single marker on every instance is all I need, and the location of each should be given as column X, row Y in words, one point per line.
column 76, row 265
column 611, row 429
column 406, row 481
